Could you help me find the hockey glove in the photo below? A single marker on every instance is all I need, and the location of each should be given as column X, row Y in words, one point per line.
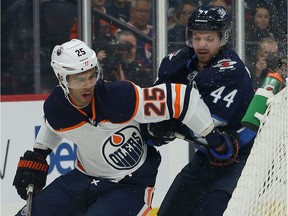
column 32, row 169
column 228, row 156
column 161, row 133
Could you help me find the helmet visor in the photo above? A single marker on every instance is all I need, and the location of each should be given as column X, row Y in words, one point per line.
column 83, row 80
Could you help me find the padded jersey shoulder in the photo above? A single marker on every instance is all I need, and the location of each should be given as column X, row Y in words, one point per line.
column 173, row 66
column 116, row 101
column 59, row 113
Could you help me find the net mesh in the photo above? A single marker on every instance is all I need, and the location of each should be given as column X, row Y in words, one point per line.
column 262, row 187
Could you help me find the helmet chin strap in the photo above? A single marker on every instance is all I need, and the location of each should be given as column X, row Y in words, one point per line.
column 66, row 93
column 77, row 107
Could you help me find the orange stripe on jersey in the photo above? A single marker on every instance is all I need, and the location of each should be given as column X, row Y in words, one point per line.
column 136, row 104
column 137, row 101
column 177, row 101
column 73, row 127
column 148, row 200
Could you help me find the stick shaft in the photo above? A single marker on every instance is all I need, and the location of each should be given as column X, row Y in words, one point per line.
column 190, row 140
column 30, row 189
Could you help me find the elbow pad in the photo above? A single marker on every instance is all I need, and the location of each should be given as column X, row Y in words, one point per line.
column 198, row 118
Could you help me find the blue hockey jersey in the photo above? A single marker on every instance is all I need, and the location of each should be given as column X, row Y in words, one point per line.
column 225, row 85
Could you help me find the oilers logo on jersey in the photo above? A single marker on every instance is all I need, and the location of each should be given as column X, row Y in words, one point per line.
column 124, row 149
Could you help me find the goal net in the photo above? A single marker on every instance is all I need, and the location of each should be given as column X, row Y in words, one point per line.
column 262, row 187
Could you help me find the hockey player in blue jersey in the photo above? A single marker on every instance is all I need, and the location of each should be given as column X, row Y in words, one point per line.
column 115, row 171
column 203, row 187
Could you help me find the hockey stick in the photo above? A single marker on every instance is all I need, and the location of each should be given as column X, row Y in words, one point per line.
column 201, row 143
column 190, row 140
column 30, row 189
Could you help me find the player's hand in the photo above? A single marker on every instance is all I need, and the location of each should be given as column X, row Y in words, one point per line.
column 32, row 169
column 226, row 153
column 162, row 129
column 162, row 132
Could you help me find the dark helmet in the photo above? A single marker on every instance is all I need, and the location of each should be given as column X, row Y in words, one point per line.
column 209, row 18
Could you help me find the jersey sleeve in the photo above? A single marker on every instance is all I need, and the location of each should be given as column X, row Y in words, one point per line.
column 46, row 138
column 179, row 101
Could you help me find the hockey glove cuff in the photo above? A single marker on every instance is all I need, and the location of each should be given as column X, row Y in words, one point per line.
column 228, row 156
column 32, row 169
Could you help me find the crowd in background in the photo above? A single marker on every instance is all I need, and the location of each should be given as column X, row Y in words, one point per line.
column 123, row 54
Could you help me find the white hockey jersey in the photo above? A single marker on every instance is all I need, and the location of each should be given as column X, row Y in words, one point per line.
column 107, row 132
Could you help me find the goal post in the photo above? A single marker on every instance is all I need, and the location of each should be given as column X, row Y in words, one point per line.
column 262, row 187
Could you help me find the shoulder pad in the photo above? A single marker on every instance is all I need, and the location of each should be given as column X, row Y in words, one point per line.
column 173, row 63
column 116, row 100
column 179, row 55
column 59, row 112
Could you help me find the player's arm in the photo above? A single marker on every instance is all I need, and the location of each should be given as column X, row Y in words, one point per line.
column 183, row 103
column 177, row 101
column 32, row 167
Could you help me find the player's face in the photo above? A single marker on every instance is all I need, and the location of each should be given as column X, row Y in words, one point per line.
column 81, row 87
column 206, row 45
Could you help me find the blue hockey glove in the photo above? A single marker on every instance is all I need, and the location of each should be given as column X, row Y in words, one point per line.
column 209, row 144
column 230, row 153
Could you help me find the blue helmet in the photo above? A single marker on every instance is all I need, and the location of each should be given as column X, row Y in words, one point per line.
column 209, row 18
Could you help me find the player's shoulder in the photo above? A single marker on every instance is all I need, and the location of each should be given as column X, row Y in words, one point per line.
column 118, row 88
column 117, row 99
column 173, row 62
column 56, row 98
column 179, row 55
column 59, row 112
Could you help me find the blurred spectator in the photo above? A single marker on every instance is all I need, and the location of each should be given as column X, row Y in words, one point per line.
column 139, row 18
column 133, row 71
column 105, row 33
column 99, row 5
column 119, row 9
column 102, row 35
column 124, row 55
column 172, row 5
column 262, row 26
column 267, row 60
column 224, row 3
column 278, row 10
column 177, row 28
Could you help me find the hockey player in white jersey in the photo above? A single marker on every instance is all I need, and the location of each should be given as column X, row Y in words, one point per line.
column 115, row 171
